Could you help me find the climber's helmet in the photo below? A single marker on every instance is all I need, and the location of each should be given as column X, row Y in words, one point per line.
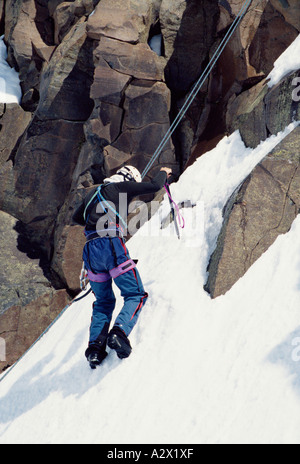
column 130, row 173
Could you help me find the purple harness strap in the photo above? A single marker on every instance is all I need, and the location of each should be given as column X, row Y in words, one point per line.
column 114, row 273
column 122, row 268
column 102, row 277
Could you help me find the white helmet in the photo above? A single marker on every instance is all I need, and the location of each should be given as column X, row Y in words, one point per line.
column 130, row 173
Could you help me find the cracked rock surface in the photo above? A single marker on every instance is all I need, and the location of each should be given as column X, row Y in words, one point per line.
column 261, row 209
column 24, row 289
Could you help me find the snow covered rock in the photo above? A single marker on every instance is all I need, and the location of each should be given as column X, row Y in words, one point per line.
column 287, row 63
column 28, row 31
column 261, row 209
column 10, row 90
column 259, row 111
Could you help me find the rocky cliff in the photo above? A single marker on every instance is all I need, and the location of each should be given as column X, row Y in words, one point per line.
column 96, row 96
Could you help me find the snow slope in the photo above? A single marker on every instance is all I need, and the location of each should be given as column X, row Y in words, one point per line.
column 10, row 90
column 288, row 62
column 202, row 370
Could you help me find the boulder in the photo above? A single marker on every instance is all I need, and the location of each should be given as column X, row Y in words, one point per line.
column 261, row 111
column 146, row 121
column 21, row 278
column 67, row 260
column 21, row 326
column 108, row 85
column 290, row 10
column 281, row 107
column 251, row 19
column 247, row 30
column 272, row 38
column 189, row 31
column 35, row 187
column 67, row 14
column 146, row 102
column 105, row 122
column 125, row 20
column 246, row 113
column 13, row 122
column 262, row 208
column 29, row 35
column 138, row 60
column 66, row 80
column 28, row 303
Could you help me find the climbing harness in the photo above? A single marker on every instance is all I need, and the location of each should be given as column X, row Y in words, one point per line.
column 198, row 86
column 99, row 198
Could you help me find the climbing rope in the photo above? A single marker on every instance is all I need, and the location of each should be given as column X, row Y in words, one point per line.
column 198, row 86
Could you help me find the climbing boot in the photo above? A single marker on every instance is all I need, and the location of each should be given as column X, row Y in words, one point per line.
column 118, row 341
column 95, row 356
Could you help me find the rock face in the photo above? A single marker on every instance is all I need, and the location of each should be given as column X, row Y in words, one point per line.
column 266, row 30
column 289, row 10
column 45, row 160
column 189, row 30
column 28, row 301
column 263, row 207
column 272, row 38
column 131, row 109
column 22, row 279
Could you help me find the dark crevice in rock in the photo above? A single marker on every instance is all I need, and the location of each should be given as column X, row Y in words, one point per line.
column 33, row 250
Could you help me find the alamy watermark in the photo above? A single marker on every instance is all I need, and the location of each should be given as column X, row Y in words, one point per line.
column 2, row 350
column 296, row 350
column 296, row 91
column 151, row 218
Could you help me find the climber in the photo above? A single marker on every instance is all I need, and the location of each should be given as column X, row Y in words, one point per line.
column 106, row 257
